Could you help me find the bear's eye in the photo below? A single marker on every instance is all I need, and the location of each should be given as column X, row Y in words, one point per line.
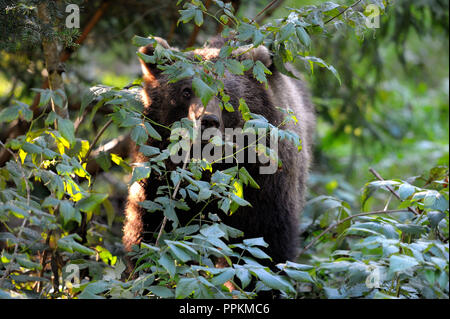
column 187, row 93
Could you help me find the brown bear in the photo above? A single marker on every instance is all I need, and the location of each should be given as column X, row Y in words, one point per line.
column 276, row 206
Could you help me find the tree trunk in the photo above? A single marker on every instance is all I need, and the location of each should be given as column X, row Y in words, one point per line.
column 52, row 61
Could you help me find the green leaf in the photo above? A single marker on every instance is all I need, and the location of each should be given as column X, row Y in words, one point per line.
column 130, row 121
column 9, row 114
column 198, row 18
column 435, row 217
column 245, row 111
column 69, row 244
column 168, row 209
column 225, row 276
column 90, row 203
column 103, row 159
column 139, row 134
column 435, row 200
column 24, row 261
column 244, row 275
column 273, row 281
column 185, row 287
column 140, row 172
column 150, row 206
column 405, row 190
column 202, row 90
column 279, row 64
column 32, row 148
column 235, row 66
column 178, row 252
column 68, row 212
column 45, row 97
column 303, row 36
column 400, row 263
column 212, row 231
column 286, row 32
column 245, row 31
column 204, row 194
column 92, row 290
column 152, row 132
column 260, row 71
column 141, row 41
column 297, row 275
column 258, row 38
column 147, row 150
column 315, row 60
column 225, row 51
column 162, row 291
column 258, row 253
column 188, row 14
column 86, row 99
column 259, row 241
column 240, row 201
column 65, row 127
column 168, row 263
column 246, row 178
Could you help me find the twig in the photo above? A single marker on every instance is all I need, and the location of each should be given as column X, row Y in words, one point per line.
column 163, row 225
column 196, row 30
column 99, row 134
column 342, row 12
column 378, row 176
column 87, row 29
column 263, row 10
column 269, row 12
column 177, row 187
column 343, row 221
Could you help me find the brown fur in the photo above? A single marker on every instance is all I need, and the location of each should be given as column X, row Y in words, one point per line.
column 277, row 205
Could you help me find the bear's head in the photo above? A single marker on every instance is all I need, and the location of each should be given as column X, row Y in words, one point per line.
column 167, row 102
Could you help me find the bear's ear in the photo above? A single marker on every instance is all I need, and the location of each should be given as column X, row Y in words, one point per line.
column 260, row 53
column 149, row 70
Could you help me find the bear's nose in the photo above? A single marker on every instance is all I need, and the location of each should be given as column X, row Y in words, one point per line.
column 210, row 120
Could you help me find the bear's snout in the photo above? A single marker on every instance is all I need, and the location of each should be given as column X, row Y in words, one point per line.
column 209, row 121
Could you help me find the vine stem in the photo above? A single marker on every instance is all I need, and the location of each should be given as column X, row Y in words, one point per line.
column 314, row 241
column 343, row 11
column 378, row 176
column 97, row 137
column 177, row 187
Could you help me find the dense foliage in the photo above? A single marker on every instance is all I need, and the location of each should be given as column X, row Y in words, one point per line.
column 62, row 195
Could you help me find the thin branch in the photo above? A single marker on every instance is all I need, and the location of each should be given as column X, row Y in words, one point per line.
column 97, row 137
column 378, row 176
column 177, row 187
column 196, row 30
column 264, row 10
column 332, row 226
column 87, row 29
column 269, row 12
column 342, row 12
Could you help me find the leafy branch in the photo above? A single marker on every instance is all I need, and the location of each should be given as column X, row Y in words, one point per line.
column 332, row 226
